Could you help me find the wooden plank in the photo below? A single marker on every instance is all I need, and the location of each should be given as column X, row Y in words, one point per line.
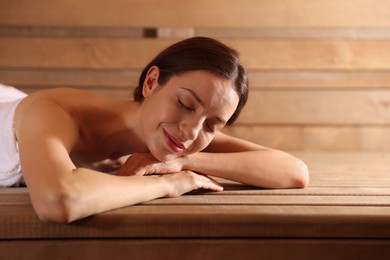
column 319, row 107
column 42, row 78
column 78, row 53
column 20, row 194
column 348, row 169
column 71, row 31
column 189, row 248
column 277, row 200
column 312, row 190
column 200, row 13
column 84, row 79
column 301, row 54
column 257, row 54
column 348, row 138
column 252, row 199
column 14, row 196
column 185, row 32
column 315, row 138
column 319, row 79
column 148, row 221
column 347, row 161
column 285, row 32
column 286, row 137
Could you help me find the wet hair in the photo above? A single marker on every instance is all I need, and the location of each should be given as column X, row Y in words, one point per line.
column 199, row 53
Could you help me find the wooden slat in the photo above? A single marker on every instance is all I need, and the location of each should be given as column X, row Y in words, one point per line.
column 187, row 248
column 118, row 53
column 201, row 13
column 78, row 53
column 239, row 199
column 201, row 221
column 318, row 138
column 287, row 137
column 42, row 78
column 84, row 79
column 282, row 32
column 20, row 195
column 312, row 190
column 319, row 79
column 315, row 54
column 277, row 200
column 317, row 107
column 185, row 32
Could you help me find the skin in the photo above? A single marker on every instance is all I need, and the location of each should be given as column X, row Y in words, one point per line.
column 174, row 133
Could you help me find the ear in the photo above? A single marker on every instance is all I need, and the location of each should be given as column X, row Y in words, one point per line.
column 151, row 81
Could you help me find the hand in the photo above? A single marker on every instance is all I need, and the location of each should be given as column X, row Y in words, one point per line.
column 146, row 163
column 186, row 181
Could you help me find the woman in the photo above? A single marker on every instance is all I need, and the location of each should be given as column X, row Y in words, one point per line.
column 171, row 129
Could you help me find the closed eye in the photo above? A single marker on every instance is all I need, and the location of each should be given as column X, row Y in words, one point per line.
column 181, row 104
column 209, row 129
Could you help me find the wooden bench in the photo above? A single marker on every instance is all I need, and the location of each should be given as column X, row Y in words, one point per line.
column 343, row 214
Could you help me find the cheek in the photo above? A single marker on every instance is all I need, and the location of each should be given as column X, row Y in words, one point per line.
column 158, row 112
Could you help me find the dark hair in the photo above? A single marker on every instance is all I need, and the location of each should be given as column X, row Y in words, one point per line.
column 200, row 53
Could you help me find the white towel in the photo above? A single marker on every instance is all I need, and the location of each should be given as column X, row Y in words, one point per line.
column 10, row 169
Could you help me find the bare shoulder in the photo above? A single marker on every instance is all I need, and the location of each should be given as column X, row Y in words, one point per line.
column 49, row 113
column 51, row 101
column 57, row 112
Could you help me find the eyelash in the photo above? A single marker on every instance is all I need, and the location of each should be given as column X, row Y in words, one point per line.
column 181, row 104
column 209, row 129
column 184, row 106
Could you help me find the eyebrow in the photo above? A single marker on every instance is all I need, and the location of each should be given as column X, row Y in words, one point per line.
column 196, row 96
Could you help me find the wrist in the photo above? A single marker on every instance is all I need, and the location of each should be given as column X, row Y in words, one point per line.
column 166, row 186
column 187, row 162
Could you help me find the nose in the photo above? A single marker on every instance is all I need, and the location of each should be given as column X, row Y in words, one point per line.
column 190, row 128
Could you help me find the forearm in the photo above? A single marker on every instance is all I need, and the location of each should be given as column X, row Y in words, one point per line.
column 85, row 192
column 262, row 168
column 105, row 192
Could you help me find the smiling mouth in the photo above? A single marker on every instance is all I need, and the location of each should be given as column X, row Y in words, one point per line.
column 175, row 145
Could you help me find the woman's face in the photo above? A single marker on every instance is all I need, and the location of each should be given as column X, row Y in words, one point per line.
column 182, row 116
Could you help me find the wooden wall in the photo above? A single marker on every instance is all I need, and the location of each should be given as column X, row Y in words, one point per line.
column 319, row 70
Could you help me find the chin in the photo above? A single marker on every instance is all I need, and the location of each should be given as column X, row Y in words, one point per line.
column 163, row 157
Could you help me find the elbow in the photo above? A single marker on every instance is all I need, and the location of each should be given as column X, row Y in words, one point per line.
column 300, row 175
column 57, row 205
column 54, row 213
column 57, row 215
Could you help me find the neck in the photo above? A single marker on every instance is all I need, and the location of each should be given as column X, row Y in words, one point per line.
column 124, row 135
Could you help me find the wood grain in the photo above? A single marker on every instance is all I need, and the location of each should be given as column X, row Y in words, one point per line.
column 213, row 248
column 258, row 54
column 199, row 13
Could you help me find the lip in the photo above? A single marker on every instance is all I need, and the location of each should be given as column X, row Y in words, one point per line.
column 175, row 145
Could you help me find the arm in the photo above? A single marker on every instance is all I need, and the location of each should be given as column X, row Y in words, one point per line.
column 229, row 158
column 242, row 161
column 61, row 192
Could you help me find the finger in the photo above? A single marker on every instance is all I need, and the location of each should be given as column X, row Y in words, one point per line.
column 211, row 184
